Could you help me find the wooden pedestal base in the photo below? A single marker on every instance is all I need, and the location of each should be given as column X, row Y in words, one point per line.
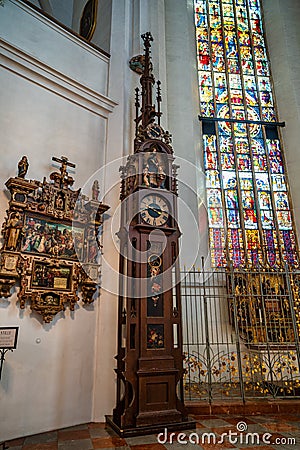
column 149, row 429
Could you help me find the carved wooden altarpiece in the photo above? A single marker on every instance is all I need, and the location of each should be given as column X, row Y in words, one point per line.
column 50, row 241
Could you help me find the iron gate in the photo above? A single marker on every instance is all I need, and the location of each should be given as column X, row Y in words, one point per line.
column 240, row 334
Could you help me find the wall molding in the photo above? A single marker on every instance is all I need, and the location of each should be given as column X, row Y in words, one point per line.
column 33, row 70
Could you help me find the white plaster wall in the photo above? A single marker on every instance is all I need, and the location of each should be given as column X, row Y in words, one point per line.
column 49, row 43
column 283, row 38
column 62, row 11
column 37, row 3
column 102, row 33
column 78, row 6
column 50, row 384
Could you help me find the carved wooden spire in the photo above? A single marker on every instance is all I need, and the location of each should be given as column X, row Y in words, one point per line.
column 147, row 80
column 146, row 112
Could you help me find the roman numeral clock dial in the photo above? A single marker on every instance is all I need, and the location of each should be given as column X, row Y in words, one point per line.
column 154, row 210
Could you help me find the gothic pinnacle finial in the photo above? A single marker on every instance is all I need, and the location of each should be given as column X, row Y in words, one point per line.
column 147, row 80
column 158, row 99
column 147, row 109
column 147, row 38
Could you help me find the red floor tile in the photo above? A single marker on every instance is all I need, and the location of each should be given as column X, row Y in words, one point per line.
column 275, row 436
column 221, row 430
column 236, row 420
column 148, row 447
column 16, row 442
column 97, row 425
column 45, row 446
column 279, row 427
column 260, row 447
column 217, row 446
column 205, row 417
column 289, row 418
column 108, row 442
column 69, row 435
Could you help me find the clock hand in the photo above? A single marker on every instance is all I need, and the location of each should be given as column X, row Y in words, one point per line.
column 158, row 211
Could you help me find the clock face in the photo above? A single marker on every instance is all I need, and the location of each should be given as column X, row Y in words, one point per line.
column 154, row 131
column 154, row 210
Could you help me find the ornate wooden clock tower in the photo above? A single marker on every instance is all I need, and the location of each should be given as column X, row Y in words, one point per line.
column 149, row 360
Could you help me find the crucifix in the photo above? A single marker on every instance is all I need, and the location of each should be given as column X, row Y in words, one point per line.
column 64, row 178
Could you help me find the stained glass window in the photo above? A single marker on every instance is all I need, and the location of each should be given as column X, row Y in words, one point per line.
column 247, row 196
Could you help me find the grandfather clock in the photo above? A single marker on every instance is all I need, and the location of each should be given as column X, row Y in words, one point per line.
column 150, row 358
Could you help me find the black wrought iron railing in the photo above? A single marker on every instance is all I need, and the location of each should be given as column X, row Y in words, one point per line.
column 240, row 334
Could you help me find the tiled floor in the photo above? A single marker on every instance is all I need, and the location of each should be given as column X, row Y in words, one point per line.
column 212, row 432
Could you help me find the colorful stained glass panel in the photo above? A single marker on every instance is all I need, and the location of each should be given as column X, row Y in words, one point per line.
column 246, row 183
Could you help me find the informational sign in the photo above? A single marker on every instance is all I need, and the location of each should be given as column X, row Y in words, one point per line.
column 8, row 337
